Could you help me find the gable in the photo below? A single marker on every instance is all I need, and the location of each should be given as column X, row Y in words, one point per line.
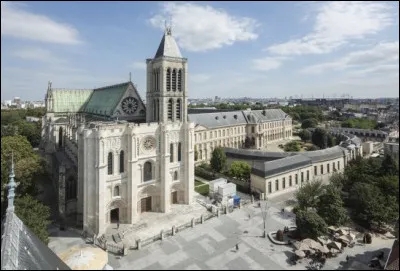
column 130, row 105
column 200, row 128
column 104, row 100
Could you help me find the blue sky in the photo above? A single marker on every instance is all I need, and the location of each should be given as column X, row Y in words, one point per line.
column 234, row 49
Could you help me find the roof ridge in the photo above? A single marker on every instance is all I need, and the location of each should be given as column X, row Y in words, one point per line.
column 112, row 86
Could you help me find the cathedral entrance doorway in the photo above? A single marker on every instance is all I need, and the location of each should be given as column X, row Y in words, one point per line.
column 174, row 197
column 114, row 215
column 145, row 205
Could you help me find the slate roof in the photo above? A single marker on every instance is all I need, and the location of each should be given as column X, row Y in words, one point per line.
column 219, row 119
column 255, row 154
column 104, row 100
column 325, row 154
column 270, row 168
column 168, row 47
column 23, row 250
column 393, row 259
column 65, row 100
column 259, row 116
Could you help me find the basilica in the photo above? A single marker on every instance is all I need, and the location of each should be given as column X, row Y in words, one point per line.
column 113, row 157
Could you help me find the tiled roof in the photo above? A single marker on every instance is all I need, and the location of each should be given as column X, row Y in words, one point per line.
column 104, row 100
column 168, row 47
column 23, row 250
column 220, row 119
column 325, row 154
column 259, row 116
column 69, row 100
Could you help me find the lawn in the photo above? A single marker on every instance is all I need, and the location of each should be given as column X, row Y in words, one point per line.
column 203, row 189
column 197, row 183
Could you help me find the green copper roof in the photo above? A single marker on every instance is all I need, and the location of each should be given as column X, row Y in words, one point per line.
column 104, row 100
column 70, row 100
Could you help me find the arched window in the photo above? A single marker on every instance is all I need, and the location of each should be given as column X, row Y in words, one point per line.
column 171, row 153
column 60, row 137
column 71, row 188
column 176, row 175
column 155, row 110
column 110, row 163
column 147, row 174
column 116, row 191
column 178, row 109
column 179, row 151
column 121, row 161
column 168, row 79
column 154, row 80
column 174, row 80
column 180, row 80
column 170, row 109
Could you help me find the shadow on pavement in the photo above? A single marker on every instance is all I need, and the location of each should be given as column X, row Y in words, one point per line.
column 360, row 261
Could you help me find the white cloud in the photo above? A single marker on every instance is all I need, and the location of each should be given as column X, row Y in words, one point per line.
column 199, row 78
column 138, row 65
column 18, row 23
column 267, row 63
column 336, row 24
column 201, row 28
column 37, row 54
column 381, row 54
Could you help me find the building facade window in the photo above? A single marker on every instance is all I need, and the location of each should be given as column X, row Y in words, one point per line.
column 296, row 178
column 121, row 161
column 308, row 175
column 302, row 177
column 269, row 187
column 147, row 172
column 70, row 188
column 315, row 170
column 290, row 180
column 179, row 151
column 171, row 152
column 168, row 79
column 322, row 169
column 276, row 185
column 116, row 191
column 110, row 163
column 178, row 109
column 170, row 109
column 338, row 165
column 283, row 183
column 176, row 175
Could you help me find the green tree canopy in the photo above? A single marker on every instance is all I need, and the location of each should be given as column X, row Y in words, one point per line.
column 389, row 166
column 218, row 160
column 310, row 224
column 308, row 194
column 35, row 216
column 331, row 140
column 292, row 146
column 330, row 207
column 240, row 170
column 309, row 123
column 320, row 138
column 305, row 135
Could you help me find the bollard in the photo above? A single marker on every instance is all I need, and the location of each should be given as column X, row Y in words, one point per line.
column 201, row 219
column 162, row 235
column 252, row 198
column 218, row 214
column 138, row 246
column 192, row 222
column 125, row 250
column 173, row 230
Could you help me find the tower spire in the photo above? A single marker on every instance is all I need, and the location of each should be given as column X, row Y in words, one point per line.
column 11, row 186
column 130, row 77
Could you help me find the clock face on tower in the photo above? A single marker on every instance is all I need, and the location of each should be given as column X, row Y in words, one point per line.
column 130, row 105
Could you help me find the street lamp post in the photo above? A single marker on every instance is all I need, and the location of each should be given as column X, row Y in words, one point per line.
column 264, row 212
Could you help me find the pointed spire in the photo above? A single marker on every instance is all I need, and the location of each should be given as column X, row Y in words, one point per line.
column 11, row 186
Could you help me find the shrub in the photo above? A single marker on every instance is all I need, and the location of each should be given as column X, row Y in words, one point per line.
column 279, row 235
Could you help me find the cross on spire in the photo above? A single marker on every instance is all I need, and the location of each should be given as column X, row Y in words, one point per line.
column 168, row 28
column 130, row 77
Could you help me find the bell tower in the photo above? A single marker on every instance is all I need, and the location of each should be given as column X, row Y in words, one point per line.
column 167, row 83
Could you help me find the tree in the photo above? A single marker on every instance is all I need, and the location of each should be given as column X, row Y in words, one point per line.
column 389, row 185
column 292, row 146
column 27, row 163
column 307, row 195
column 218, row 160
column 371, row 206
column 331, row 140
column 310, row 224
column 389, row 166
column 330, row 207
column 320, row 138
column 313, row 148
column 247, row 142
column 337, row 180
column 305, row 135
column 309, row 123
column 35, row 216
column 240, row 170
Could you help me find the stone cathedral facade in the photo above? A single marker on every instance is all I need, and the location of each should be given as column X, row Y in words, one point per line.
column 113, row 157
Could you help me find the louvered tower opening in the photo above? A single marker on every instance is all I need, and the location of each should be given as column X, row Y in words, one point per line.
column 174, row 80
column 168, row 79
column 170, row 109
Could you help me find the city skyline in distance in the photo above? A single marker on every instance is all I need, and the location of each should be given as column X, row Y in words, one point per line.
column 264, row 49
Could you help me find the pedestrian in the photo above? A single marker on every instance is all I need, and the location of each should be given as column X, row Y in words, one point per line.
column 237, row 246
column 347, row 258
column 117, row 224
